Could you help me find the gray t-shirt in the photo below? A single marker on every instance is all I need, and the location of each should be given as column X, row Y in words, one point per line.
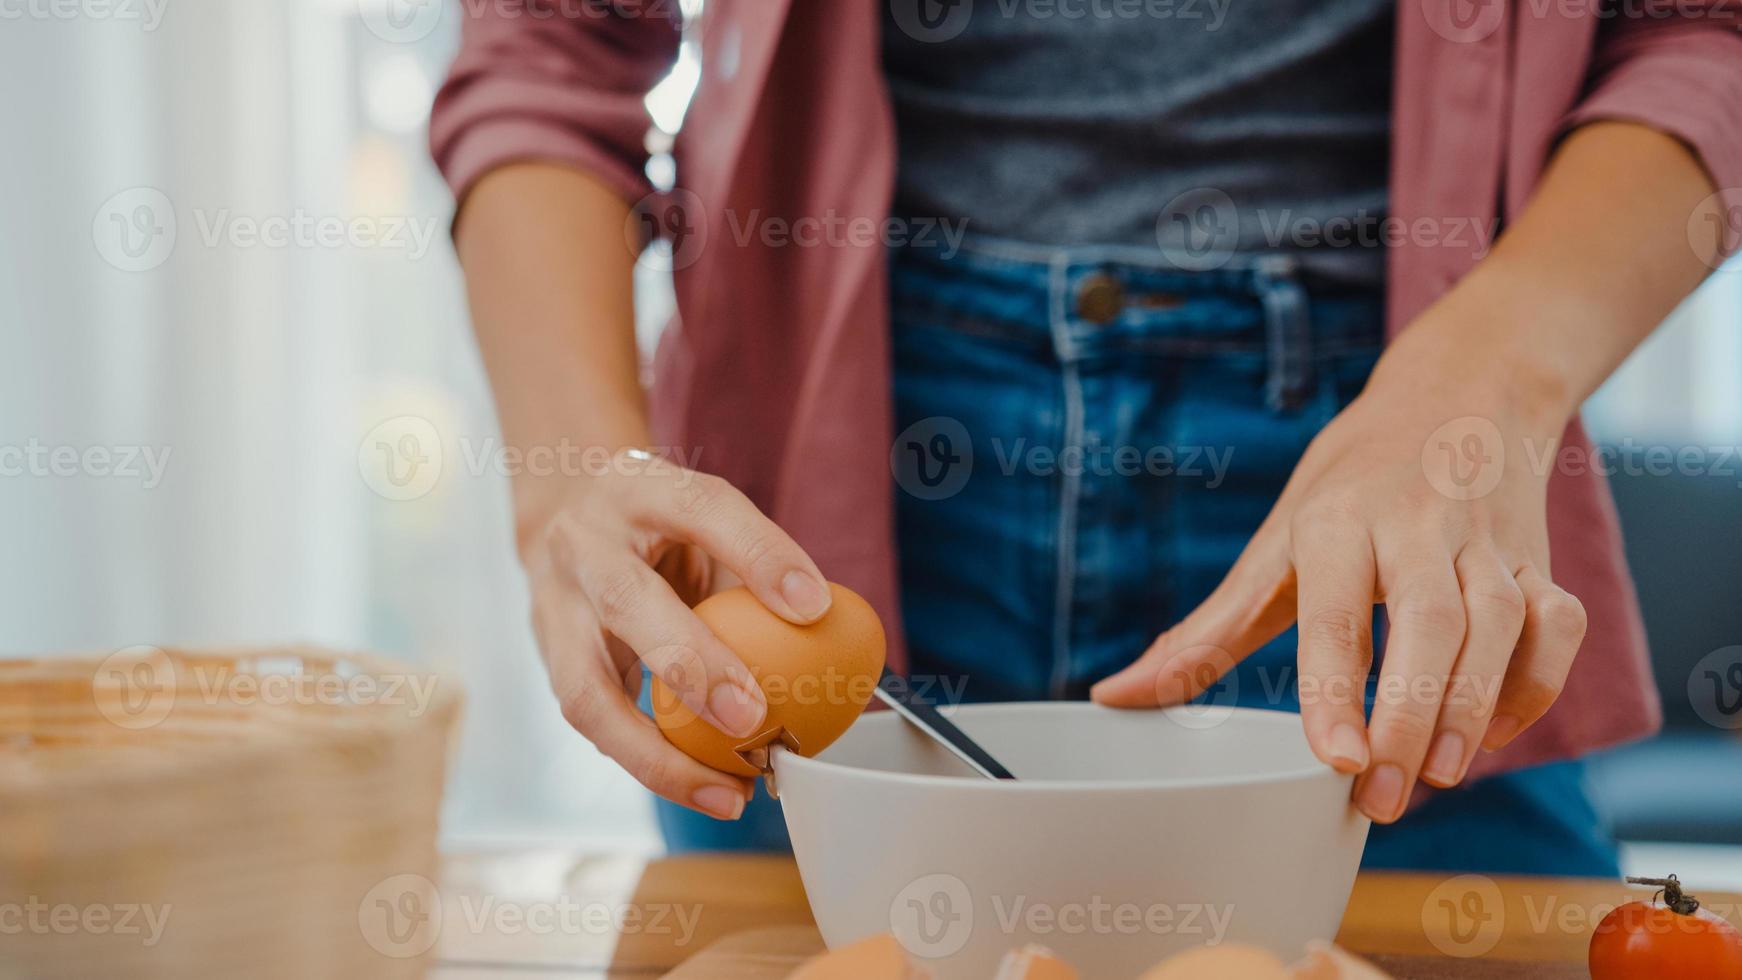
column 1199, row 125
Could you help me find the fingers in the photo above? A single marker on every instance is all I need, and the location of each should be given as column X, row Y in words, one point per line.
column 594, row 703
column 638, row 607
column 1494, row 616
column 593, row 700
column 714, row 515
column 1426, row 613
column 1247, row 610
column 1554, row 626
column 1335, row 565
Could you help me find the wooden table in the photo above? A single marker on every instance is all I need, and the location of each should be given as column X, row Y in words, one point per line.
column 561, row 915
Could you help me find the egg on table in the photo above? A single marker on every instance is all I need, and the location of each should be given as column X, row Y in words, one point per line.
column 877, row 958
column 1033, row 962
column 1228, row 961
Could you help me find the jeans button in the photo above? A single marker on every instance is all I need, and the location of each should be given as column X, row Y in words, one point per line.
column 1100, row 298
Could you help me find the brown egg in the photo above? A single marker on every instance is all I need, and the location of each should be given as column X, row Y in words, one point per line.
column 1225, row 962
column 1324, row 961
column 1033, row 962
column 817, row 678
column 877, row 958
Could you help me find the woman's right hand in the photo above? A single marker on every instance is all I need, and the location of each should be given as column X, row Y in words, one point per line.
column 616, row 554
column 615, row 561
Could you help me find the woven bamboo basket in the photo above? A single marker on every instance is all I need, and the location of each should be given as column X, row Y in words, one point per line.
column 263, row 813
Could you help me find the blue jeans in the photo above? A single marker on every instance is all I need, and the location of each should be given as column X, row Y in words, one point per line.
column 1086, row 440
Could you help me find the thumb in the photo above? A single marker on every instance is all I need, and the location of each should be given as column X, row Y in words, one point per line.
column 1251, row 607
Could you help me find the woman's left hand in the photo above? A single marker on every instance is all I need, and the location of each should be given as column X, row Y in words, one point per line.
column 1426, row 495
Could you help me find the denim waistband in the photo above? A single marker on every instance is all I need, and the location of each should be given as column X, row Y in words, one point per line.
column 1080, row 303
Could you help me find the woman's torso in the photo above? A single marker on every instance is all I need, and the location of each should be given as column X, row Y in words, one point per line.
column 1198, row 126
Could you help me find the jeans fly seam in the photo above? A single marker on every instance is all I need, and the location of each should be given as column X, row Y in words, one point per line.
column 1069, row 481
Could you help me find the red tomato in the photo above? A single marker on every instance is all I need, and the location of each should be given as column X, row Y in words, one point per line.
column 1673, row 938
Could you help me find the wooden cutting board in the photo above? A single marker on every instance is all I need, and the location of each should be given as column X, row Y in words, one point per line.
column 746, row 918
column 772, row 954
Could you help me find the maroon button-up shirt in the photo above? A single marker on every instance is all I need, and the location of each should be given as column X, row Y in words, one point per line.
column 778, row 371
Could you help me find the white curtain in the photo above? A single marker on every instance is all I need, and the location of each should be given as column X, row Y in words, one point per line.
column 223, row 245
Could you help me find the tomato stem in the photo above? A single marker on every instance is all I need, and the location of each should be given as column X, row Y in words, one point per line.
column 1670, row 890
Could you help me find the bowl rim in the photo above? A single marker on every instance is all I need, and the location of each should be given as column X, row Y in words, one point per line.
column 1316, row 769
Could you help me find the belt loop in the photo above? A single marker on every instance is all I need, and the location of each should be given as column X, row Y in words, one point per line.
column 1287, row 330
column 1059, row 306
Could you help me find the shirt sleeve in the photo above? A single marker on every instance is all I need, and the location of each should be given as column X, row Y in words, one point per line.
column 562, row 82
column 1678, row 69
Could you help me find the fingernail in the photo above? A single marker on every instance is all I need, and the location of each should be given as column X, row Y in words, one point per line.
column 1501, row 730
column 738, row 709
column 722, row 802
column 807, row 596
column 1445, row 764
column 1382, row 795
column 1348, row 749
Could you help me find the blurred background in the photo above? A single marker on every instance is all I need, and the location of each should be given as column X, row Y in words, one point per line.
column 224, row 259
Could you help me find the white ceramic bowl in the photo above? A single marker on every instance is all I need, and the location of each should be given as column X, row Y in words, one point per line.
column 1128, row 836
